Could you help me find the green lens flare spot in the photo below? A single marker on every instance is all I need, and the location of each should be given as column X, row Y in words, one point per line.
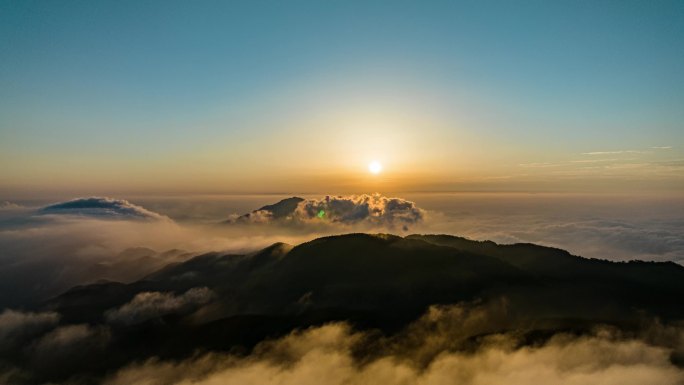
column 321, row 214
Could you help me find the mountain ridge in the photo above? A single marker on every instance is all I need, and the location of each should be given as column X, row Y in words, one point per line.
column 381, row 283
column 335, row 270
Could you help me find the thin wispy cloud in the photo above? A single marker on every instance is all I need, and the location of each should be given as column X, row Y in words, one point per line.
column 596, row 160
column 615, row 152
column 7, row 205
column 148, row 305
column 540, row 165
column 628, row 162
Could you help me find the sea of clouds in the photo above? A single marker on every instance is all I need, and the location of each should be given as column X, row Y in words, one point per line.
column 450, row 344
column 47, row 249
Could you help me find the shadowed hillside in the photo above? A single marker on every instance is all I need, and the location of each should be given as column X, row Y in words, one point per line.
column 219, row 302
column 385, row 273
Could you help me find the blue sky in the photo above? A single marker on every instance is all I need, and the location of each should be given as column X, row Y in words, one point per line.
column 133, row 90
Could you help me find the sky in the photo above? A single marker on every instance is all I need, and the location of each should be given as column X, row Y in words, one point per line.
column 267, row 97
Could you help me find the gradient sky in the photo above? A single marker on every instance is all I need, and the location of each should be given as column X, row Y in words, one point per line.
column 216, row 96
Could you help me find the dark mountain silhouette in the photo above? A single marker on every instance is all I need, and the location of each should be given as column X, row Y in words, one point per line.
column 101, row 207
column 375, row 211
column 378, row 273
column 278, row 210
column 373, row 281
column 283, row 208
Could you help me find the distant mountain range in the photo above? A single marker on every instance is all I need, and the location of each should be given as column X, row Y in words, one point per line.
column 278, row 210
column 374, row 210
column 230, row 302
column 376, row 274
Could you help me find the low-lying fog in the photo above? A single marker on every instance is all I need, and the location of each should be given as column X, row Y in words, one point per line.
column 44, row 252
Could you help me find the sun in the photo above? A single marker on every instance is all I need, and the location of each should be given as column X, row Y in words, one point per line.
column 375, row 167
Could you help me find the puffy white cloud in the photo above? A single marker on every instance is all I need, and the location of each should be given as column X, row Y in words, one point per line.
column 17, row 326
column 43, row 256
column 66, row 349
column 257, row 216
column 66, row 337
column 369, row 211
column 101, row 207
column 341, row 356
column 152, row 304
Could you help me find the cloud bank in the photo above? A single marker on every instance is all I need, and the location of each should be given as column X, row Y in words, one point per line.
column 466, row 344
column 373, row 211
column 16, row 326
column 613, row 239
column 64, row 344
column 452, row 356
column 42, row 256
column 149, row 305
column 618, row 228
column 35, row 344
column 101, row 207
column 7, row 205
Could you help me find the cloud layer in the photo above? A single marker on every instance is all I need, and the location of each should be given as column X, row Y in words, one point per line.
column 16, row 326
column 326, row 353
column 149, row 305
column 465, row 344
column 618, row 228
column 36, row 345
column 42, row 256
column 101, row 207
column 373, row 211
column 7, row 205
column 343, row 356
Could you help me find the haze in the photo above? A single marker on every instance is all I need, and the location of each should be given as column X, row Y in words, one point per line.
column 354, row 192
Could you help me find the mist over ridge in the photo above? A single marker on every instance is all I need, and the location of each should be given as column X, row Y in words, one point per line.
column 100, row 207
column 341, row 193
column 281, row 289
column 347, row 296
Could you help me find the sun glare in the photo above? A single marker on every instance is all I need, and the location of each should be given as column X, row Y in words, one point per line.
column 374, row 167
